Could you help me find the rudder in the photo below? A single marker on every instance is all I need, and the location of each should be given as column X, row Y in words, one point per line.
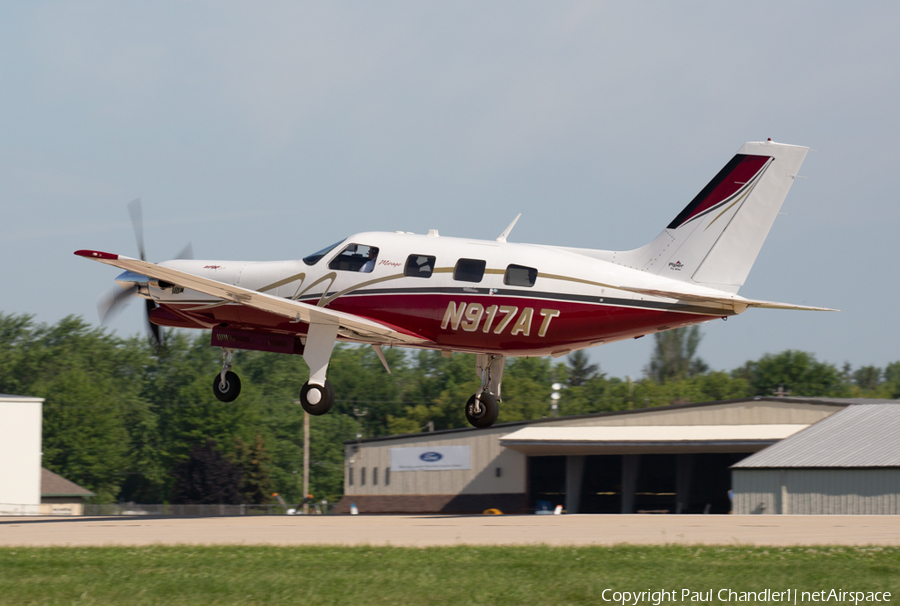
column 716, row 238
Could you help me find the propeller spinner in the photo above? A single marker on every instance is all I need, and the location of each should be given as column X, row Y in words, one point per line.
column 114, row 300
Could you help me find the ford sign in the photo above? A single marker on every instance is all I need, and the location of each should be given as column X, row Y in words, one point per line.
column 431, row 457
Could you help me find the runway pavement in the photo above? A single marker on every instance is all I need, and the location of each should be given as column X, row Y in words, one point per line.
column 433, row 530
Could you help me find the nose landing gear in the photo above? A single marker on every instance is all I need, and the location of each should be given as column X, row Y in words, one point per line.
column 227, row 385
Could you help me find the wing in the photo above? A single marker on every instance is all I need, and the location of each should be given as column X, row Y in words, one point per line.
column 348, row 324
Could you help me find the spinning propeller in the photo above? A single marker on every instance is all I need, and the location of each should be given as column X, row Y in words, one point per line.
column 111, row 303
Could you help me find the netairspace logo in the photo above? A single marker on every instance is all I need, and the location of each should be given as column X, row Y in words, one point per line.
column 787, row 596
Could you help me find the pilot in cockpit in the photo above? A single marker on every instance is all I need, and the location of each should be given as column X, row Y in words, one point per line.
column 369, row 265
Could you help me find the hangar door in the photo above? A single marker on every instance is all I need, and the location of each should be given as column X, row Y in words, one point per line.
column 642, row 483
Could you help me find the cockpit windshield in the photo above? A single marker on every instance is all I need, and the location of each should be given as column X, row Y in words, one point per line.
column 314, row 258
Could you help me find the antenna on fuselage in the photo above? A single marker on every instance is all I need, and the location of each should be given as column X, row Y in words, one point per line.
column 502, row 237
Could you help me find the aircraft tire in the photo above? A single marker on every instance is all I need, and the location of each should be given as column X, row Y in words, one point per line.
column 324, row 398
column 232, row 387
column 490, row 408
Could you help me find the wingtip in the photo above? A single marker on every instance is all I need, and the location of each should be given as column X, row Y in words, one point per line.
column 96, row 254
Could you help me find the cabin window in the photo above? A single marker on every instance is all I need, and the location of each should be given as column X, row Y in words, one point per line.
column 314, row 258
column 469, row 270
column 387, row 476
column 350, row 476
column 518, row 275
column 355, row 257
column 374, row 476
column 362, row 476
column 419, row 266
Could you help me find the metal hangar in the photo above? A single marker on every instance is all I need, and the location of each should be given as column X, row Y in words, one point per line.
column 672, row 459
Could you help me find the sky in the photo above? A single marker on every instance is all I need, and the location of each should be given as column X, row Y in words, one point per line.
column 267, row 130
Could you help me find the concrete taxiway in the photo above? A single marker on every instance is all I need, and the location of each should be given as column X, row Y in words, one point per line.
column 434, row 530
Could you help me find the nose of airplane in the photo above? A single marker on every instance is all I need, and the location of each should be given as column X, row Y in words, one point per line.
column 128, row 279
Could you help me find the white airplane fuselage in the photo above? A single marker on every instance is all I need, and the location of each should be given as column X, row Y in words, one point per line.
column 563, row 304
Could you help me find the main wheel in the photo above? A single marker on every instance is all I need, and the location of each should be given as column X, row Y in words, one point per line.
column 315, row 399
column 230, row 391
column 486, row 413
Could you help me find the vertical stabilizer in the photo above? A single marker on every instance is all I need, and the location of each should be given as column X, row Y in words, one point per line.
column 714, row 241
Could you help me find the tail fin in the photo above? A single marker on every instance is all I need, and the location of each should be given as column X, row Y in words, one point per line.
column 716, row 238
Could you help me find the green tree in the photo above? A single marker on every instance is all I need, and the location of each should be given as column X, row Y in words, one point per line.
column 797, row 372
column 327, row 435
column 867, row 378
column 675, row 355
column 436, row 391
column 254, row 461
column 891, row 385
column 207, row 477
column 361, row 383
column 579, row 370
column 526, row 389
column 84, row 432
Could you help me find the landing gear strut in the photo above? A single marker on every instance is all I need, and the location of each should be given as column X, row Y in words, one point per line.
column 227, row 385
column 482, row 408
column 317, row 394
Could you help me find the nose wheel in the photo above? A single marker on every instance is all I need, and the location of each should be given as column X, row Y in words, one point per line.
column 317, row 399
column 228, row 387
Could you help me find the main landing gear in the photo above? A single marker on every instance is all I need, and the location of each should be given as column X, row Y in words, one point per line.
column 482, row 408
column 317, row 399
column 317, row 394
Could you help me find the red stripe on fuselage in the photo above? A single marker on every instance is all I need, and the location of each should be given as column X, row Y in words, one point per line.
column 575, row 325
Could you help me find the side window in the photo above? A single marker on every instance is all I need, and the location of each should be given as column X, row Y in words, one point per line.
column 362, row 476
column 355, row 257
column 374, row 476
column 469, row 270
column 517, row 275
column 419, row 266
column 387, row 476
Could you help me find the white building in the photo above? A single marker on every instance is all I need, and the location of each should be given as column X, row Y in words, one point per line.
column 20, row 454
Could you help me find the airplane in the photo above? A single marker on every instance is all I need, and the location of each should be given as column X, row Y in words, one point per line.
column 493, row 298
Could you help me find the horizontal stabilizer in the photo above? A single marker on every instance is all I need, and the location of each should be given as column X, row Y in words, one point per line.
column 738, row 304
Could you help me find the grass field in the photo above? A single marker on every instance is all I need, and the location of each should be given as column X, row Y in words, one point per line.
column 439, row 575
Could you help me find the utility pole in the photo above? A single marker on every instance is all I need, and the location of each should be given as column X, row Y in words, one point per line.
column 305, row 462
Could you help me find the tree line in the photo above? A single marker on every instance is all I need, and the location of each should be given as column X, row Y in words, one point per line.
column 133, row 422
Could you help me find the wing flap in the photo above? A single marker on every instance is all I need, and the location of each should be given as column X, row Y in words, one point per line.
column 295, row 310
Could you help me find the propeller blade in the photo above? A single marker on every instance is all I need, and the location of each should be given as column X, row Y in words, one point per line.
column 137, row 221
column 111, row 303
column 186, row 253
column 155, row 332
